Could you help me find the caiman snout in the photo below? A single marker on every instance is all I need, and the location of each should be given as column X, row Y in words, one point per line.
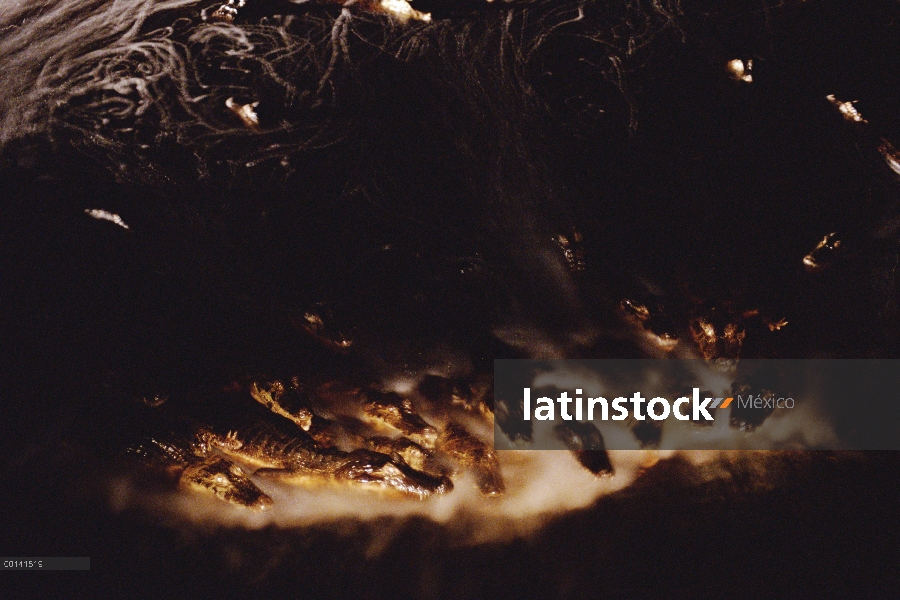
column 719, row 336
column 226, row 481
column 365, row 466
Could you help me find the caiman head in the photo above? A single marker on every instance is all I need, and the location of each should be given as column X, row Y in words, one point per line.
column 719, row 332
column 721, row 310
column 207, row 441
column 226, row 481
column 378, row 470
column 389, row 408
column 824, row 254
column 716, row 330
column 714, row 325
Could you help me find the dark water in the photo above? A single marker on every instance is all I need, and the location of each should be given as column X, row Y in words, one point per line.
column 410, row 182
column 815, row 525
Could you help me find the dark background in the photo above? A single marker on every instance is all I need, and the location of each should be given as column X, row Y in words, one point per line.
column 671, row 170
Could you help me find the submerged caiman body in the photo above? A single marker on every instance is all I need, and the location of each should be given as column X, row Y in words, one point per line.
column 376, row 441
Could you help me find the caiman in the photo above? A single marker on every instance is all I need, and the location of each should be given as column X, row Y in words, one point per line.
column 377, row 441
column 200, row 471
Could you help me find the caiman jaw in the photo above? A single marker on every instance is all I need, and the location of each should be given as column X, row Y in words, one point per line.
column 396, row 412
column 367, row 467
column 227, row 482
